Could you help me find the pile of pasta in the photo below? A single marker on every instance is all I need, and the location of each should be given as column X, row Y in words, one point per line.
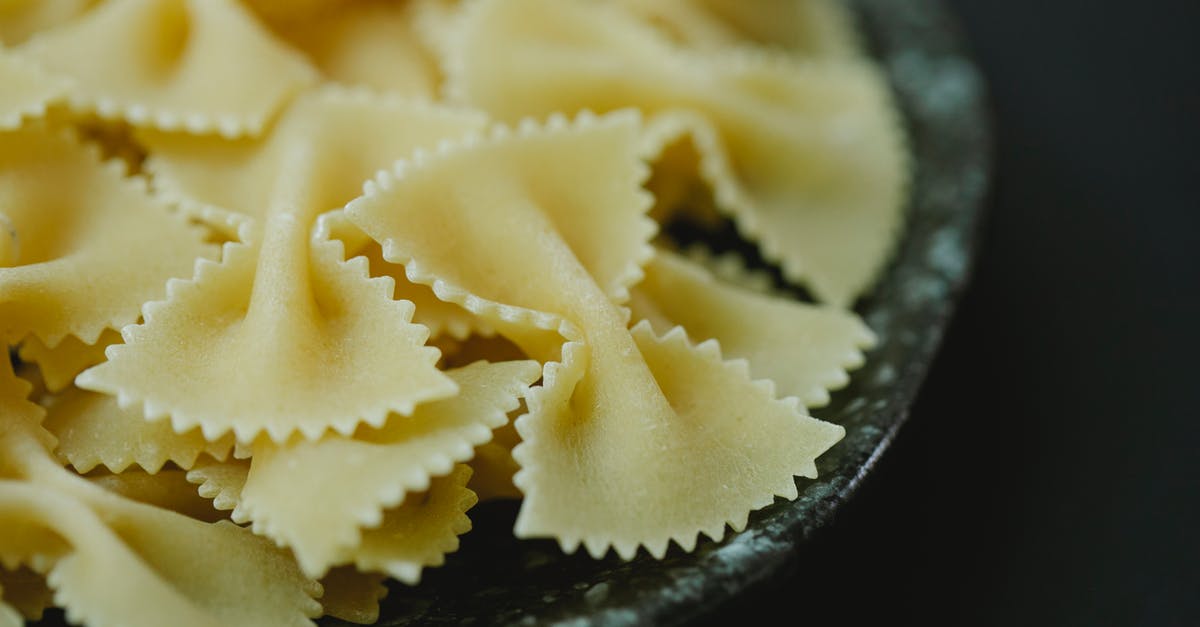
column 290, row 286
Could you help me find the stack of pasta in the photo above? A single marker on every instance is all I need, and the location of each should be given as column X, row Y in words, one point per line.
column 290, row 286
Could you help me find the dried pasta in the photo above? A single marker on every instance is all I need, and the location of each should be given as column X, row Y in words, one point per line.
column 290, row 287
column 805, row 349
column 156, row 64
column 84, row 257
column 810, row 28
column 781, row 139
column 28, row 91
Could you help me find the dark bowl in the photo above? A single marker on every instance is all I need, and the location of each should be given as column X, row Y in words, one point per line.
column 496, row 579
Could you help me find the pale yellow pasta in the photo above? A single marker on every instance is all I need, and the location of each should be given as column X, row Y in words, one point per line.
column 420, row 532
column 407, row 538
column 493, row 467
column 71, row 356
column 575, row 189
column 369, row 44
column 316, row 158
column 27, row 90
column 86, row 255
column 74, row 529
column 201, row 66
column 287, row 295
column 625, row 418
column 166, row 489
column 352, row 596
column 731, row 267
column 297, row 284
column 440, row 317
column 157, row 585
column 806, row 157
column 818, row 28
column 202, row 338
column 805, row 349
column 94, row 430
column 223, row 483
column 433, row 22
column 18, row 417
column 316, row 497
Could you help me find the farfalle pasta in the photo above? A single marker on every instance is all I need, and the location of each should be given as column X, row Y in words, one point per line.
column 810, row 28
column 289, row 287
column 196, row 65
column 804, row 155
column 280, row 297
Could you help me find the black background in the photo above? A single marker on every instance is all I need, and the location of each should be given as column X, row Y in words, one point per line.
column 1050, row 472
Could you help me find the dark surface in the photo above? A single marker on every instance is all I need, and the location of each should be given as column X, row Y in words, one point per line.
column 1050, row 473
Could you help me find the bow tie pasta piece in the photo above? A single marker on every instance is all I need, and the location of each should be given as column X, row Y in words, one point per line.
column 85, row 256
column 200, row 66
column 407, row 538
column 818, row 28
column 316, row 496
column 220, row 563
column 368, row 44
column 817, row 168
column 539, row 198
column 93, row 430
column 805, row 349
column 112, row 561
column 421, row 531
column 627, row 421
column 719, row 447
column 290, row 349
column 807, row 157
column 314, row 160
column 60, row 364
column 27, row 90
column 326, row 344
column 353, row 596
column 154, row 567
column 559, row 57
